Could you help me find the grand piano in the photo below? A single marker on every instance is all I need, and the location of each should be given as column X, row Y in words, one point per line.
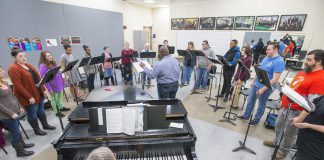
column 157, row 141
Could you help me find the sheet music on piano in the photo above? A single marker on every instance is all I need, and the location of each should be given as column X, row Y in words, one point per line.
column 124, row 120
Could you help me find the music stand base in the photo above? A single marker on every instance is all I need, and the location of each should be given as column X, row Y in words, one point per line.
column 243, row 147
column 216, row 107
column 227, row 120
column 210, row 98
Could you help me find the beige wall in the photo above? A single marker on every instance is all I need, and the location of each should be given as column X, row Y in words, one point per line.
column 313, row 9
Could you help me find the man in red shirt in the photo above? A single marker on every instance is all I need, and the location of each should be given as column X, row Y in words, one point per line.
column 308, row 83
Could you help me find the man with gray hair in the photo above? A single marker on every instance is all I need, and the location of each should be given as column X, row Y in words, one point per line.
column 166, row 72
column 101, row 153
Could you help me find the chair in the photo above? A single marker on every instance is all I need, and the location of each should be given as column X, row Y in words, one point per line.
column 272, row 105
column 245, row 92
column 22, row 117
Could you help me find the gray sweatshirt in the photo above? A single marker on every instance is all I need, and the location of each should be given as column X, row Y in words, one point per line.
column 203, row 60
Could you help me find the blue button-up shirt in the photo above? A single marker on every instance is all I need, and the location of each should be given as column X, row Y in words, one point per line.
column 165, row 71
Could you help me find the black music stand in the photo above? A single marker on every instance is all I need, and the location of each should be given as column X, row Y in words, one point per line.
column 69, row 67
column 223, row 62
column 133, row 55
column 112, row 60
column 227, row 115
column 84, row 62
column 48, row 78
column 264, row 79
column 150, row 55
column 197, row 53
column 309, row 108
column 215, row 61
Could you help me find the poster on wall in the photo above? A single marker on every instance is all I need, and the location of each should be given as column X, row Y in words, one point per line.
column 25, row 44
column 51, row 42
column 224, row 23
column 266, row 23
column 177, row 23
column 191, row 23
column 75, row 40
column 65, row 40
column 37, row 45
column 207, row 23
column 292, row 22
column 13, row 42
column 244, row 23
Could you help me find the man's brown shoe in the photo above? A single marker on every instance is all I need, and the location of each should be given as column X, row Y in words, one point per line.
column 269, row 143
column 280, row 155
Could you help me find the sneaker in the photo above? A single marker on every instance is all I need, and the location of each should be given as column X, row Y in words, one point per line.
column 253, row 123
column 280, row 155
column 60, row 114
column 225, row 99
column 202, row 91
column 64, row 109
column 269, row 143
column 242, row 118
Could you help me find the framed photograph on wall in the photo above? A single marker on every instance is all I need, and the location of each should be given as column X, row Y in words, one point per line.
column 75, row 40
column 65, row 40
column 244, row 22
column 177, row 23
column 224, row 23
column 207, row 23
column 292, row 22
column 191, row 23
column 266, row 23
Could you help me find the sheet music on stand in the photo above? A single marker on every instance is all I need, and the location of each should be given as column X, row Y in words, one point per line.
column 297, row 98
column 137, row 66
column 126, row 120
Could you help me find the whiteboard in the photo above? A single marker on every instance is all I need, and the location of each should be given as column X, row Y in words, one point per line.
column 218, row 40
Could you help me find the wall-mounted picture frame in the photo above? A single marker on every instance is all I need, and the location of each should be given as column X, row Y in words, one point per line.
column 244, row 22
column 191, row 23
column 266, row 23
column 75, row 40
column 207, row 23
column 224, row 23
column 65, row 40
column 293, row 22
column 177, row 23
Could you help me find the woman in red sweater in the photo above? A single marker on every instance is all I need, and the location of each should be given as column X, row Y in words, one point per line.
column 24, row 78
column 127, row 63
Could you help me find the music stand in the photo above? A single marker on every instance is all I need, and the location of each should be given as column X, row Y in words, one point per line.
column 215, row 61
column 184, row 53
column 112, row 60
column 133, row 55
column 84, row 62
column 150, row 55
column 69, row 67
column 228, row 117
column 48, row 78
column 309, row 107
column 197, row 53
column 170, row 48
column 263, row 79
column 222, row 62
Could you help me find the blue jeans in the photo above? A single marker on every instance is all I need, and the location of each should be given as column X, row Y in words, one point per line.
column 35, row 110
column 13, row 125
column 167, row 90
column 262, row 103
column 186, row 74
column 202, row 75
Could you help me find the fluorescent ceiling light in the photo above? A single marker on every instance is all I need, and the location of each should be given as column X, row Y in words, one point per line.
column 149, row 1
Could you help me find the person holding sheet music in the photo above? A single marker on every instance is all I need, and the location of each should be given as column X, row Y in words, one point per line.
column 274, row 65
column 231, row 56
column 307, row 83
column 56, row 87
column 127, row 63
column 241, row 75
column 10, row 109
column 203, row 67
column 310, row 140
column 72, row 77
column 107, row 67
column 90, row 70
column 189, row 64
column 166, row 72
column 149, row 60
column 24, row 78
